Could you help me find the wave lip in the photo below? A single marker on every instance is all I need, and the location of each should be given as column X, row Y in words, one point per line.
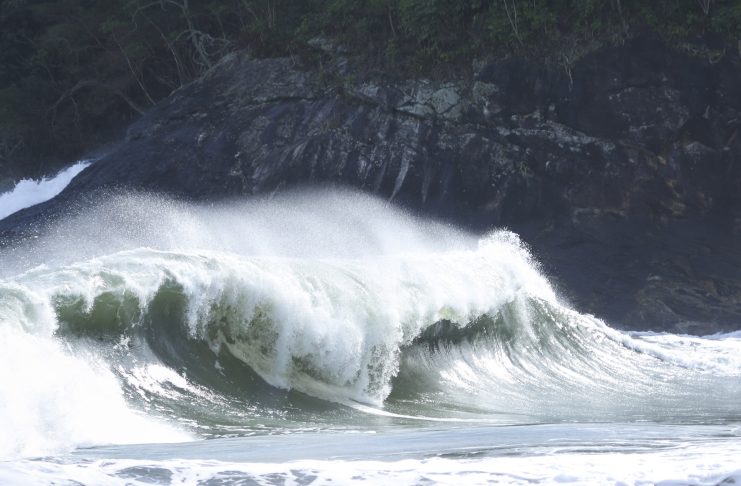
column 29, row 192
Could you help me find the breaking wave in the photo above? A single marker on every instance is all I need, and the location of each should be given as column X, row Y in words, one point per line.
column 29, row 192
column 155, row 319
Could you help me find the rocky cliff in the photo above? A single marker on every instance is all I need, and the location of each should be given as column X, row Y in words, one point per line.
column 622, row 171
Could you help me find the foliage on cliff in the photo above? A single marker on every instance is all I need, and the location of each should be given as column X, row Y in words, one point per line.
column 71, row 71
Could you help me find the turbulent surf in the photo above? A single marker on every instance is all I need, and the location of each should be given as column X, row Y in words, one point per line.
column 147, row 320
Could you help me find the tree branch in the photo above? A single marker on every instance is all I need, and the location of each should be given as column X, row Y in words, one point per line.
column 94, row 83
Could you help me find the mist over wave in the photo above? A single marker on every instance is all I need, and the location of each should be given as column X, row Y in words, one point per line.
column 157, row 319
column 29, row 192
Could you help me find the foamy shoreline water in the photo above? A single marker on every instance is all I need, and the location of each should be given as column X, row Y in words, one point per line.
column 574, row 454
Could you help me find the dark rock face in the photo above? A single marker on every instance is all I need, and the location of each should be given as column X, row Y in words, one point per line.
column 623, row 171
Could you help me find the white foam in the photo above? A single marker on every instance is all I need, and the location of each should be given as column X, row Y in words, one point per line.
column 29, row 192
column 52, row 401
column 720, row 351
column 700, row 464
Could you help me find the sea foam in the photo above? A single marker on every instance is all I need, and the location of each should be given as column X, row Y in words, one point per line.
column 29, row 192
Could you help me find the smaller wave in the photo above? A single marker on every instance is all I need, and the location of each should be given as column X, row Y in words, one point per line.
column 29, row 192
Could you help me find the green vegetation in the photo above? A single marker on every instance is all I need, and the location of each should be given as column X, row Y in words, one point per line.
column 73, row 71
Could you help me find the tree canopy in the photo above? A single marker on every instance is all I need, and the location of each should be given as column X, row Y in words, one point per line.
column 74, row 71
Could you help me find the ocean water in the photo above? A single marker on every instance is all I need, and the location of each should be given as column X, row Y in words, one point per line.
column 329, row 338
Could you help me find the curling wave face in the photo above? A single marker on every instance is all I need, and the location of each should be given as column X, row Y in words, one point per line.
column 151, row 317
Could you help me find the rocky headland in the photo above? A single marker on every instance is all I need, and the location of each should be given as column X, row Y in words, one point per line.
column 622, row 170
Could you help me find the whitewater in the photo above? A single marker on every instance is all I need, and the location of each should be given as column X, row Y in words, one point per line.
column 29, row 192
column 330, row 337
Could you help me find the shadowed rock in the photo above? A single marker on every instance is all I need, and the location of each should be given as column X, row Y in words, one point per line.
column 622, row 171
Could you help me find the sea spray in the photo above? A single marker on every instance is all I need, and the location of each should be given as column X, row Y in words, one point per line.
column 29, row 192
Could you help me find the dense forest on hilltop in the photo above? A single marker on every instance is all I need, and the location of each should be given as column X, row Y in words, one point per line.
column 72, row 72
